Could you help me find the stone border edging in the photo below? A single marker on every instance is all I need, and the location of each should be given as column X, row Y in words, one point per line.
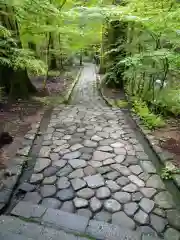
column 16, row 165
column 68, row 95
column 161, row 154
column 73, row 223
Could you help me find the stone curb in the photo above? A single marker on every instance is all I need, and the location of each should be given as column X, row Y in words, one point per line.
column 76, row 224
column 15, row 167
column 162, row 155
column 68, row 95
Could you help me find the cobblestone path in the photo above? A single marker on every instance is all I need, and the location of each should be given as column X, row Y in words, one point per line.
column 92, row 164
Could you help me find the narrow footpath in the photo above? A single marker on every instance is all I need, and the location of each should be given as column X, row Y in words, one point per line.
column 92, row 164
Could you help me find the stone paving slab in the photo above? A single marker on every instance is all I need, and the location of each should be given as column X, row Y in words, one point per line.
column 92, row 147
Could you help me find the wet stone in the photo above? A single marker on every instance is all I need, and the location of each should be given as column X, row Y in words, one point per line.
column 122, row 169
column 89, row 171
column 112, row 205
column 103, row 216
column 41, row 164
column 32, row 197
column 59, row 164
column 120, row 218
column 172, row 234
column 78, row 163
column 130, row 188
column 112, row 175
column 76, row 146
column 86, row 193
column 148, row 166
column 78, row 183
column 155, row 182
column 122, row 197
column 59, row 142
column 95, row 164
column 123, row 181
column 141, row 217
column 54, row 156
column 72, row 155
column 131, row 160
column 26, row 187
column 49, row 180
column 144, row 176
column 80, row 202
column 63, row 183
column 158, row 223
column 68, row 206
column 148, row 192
column 86, row 150
column 130, row 208
column 134, row 179
column 89, row 143
column 164, row 200
column 86, row 156
column 51, row 203
column 105, row 148
column 100, row 156
column 66, row 194
column 45, row 152
column 117, row 145
column 94, row 181
column 137, row 196
column 112, row 185
column 108, row 161
column 84, row 212
column 103, row 170
column 146, row 204
column 159, row 212
column 48, row 190
column 103, row 193
column 146, row 230
column 174, row 218
column 96, row 138
column 95, row 204
column 36, row 178
column 76, row 173
column 50, row 171
column 65, row 171
column 136, row 169
column 119, row 158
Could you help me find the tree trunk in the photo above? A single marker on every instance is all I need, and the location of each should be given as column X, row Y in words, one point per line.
column 16, row 83
column 52, row 64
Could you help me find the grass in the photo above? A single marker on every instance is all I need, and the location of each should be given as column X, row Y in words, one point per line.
column 50, row 100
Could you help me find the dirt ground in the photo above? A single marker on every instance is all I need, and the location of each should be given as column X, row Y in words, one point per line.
column 16, row 117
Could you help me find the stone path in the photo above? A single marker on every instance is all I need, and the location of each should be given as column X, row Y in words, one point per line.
column 92, row 164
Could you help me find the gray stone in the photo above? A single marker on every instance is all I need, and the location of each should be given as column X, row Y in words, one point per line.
column 147, row 231
column 117, row 145
column 103, row 193
column 24, row 151
column 158, row 223
column 48, row 190
column 112, row 205
column 137, row 196
column 96, row 138
column 80, row 202
column 32, row 197
column 66, row 221
column 174, row 218
column 103, row 216
column 112, row 185
column 41, row 164
column 45, row 152
column 122, row 181
column 134, row 179
column 130, row 208
column 49, row 180
column 122, row 169
column 112, row 175
column 172, row 234
column 164, row 200
column 148, row 166
column 62, row 147
column 95, row 204
column 50, row 171
column 76, row 146
column 95, row 164
column 103, row 170
column 103, row 134
column 59, row 164
column 136, row 169
column 100, row 156
column 76, row 173
column 26, row 187
column 108, row 161
column 144, row 176
column 78, row 183
column 130, row 188
column 120, row 218
column 78, row 163
column 84, row 212
column 86, row 150
column 141, row 217
column 146, row 204
column 121, row 151
column 36, row 178
column 142, row 155
column 122, row 197
column 94, row 181
column 54, row 157
column 59, row 142
column 86, row 193
column 148, row 192
column 119, row 158
column 89, row 171
column 63, row 183
column 155, row 182
column 105, row 148
column 72, row 155
column 131, row 160
column 105, row 142
column 89, row 143
column 66, row 194
column 68, row 206
column 159, row 212
column 51, row 203
column 65, row 171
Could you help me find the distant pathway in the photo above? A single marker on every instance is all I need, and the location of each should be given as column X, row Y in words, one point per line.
column 92, row 164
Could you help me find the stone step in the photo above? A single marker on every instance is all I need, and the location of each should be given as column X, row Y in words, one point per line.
column 72, row 223
column 10, row 236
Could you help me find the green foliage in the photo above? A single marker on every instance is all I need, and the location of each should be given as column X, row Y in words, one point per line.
column 121, row 103
column 151, row 120
column 167, row 173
